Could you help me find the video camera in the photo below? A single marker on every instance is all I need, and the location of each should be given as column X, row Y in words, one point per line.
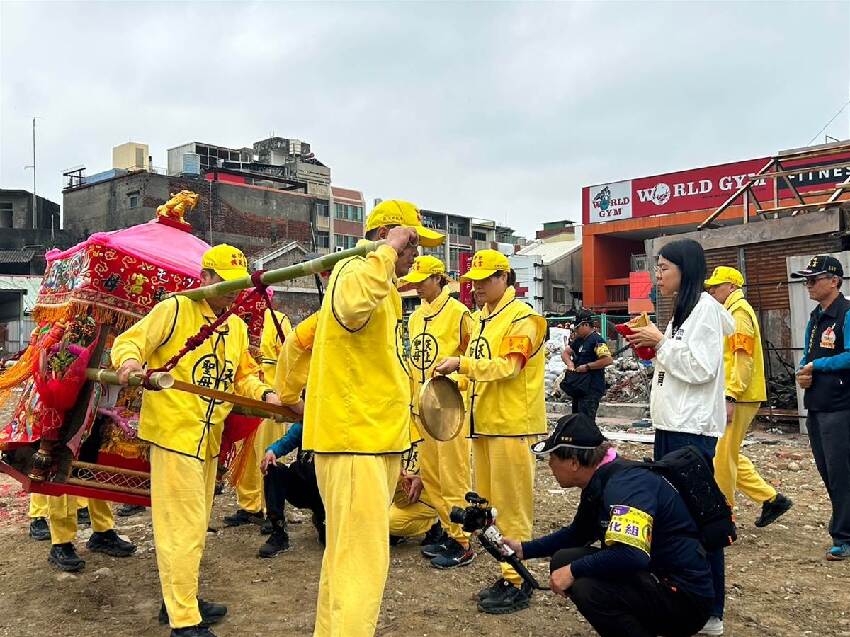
column 479, row 519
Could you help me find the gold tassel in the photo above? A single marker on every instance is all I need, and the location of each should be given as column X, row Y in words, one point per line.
column 240, row 460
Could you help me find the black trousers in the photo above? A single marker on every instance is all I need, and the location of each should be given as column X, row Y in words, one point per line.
column 829, row 434
column 295, row 484
column 637, row 605
column 587, row 405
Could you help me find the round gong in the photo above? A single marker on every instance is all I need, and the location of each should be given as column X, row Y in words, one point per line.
column 441, row 408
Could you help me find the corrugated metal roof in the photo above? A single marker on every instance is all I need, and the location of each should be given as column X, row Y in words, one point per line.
column 550, row 251
column 16, row 256
column 29, row 285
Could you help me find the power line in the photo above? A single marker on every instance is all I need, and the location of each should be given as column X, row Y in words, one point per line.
column 829, row 122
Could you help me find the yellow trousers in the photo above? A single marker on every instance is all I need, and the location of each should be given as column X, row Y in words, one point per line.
column 504, row 475
column 410, row 520
column 62, row 516
column 38, row 505
column 444, row 469
column 249, row 490
column 356, row 491
column 181, row 502
column 732, row 469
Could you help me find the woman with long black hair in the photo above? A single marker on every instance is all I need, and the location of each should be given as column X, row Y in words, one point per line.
column 687, row 399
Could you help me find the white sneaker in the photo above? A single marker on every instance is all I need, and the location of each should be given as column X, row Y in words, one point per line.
column 714, row 626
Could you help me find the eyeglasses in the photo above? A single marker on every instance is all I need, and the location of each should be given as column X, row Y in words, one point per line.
column 812, row 280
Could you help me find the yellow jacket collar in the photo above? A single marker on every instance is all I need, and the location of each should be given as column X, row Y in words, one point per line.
column 507, row 297
column 733, row 298
column 433, row 308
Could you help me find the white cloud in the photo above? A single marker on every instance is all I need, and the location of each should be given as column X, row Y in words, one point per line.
column 490, row 109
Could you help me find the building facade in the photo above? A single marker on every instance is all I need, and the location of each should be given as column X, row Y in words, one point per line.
column 467, row 235
column 620, row 217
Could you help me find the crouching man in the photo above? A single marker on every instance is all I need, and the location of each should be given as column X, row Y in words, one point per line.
column 650, row 576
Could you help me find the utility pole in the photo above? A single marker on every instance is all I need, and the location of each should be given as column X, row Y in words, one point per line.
column 34, row 200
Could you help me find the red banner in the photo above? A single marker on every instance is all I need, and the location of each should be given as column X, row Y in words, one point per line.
column 703, row 188
column 464, row 263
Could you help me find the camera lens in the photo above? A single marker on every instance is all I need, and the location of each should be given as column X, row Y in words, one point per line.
column 457, row 515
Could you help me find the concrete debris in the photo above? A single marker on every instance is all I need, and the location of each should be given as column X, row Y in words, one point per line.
column 555, row 366
column 782, row 392
column 628, row 380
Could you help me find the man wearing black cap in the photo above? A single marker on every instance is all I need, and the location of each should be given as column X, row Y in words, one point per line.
column 589, row 355
column 651, row 576
column 825, row 376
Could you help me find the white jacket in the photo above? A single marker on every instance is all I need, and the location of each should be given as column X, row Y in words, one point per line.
column 688, row 385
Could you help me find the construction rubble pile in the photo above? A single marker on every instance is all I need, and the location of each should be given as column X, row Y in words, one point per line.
column 628, row 380
column 555, row 366
column 782, row 392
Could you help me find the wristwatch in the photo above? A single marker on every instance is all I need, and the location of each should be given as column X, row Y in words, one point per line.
column 729, row 399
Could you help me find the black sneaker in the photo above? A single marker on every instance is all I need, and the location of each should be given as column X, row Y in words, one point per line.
column 772, row 509
column 83, row 518
column 211, row 613
column 192, row 631
column 434, row 534
column 243, row 517
column 395, row 540
column 277, row 543
column 266, row 528
column 456, row 554
column 65, row 558
column 437, row 548
column 491, row 590
column 509, row 599
column 39, row 529
column 108, row 542
column 319, row 525
column 129, row 510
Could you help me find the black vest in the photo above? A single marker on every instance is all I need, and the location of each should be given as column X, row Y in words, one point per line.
column 830, row 391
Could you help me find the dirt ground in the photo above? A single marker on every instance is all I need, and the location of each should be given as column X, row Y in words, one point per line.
column 778, row 582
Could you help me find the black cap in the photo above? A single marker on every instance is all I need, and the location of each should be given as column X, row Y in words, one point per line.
column 576, row 431
column 584, row 316
column 821, row 264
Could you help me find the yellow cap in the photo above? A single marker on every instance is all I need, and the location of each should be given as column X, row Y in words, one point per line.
column 423, row 267
column 228, row 262
column 394, row 212
column 486, row 263
column 724, row 274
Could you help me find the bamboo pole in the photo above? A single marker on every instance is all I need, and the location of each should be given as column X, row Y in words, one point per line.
column 160, row 380
column 306, row 268
column 164, row 380
column 258, row 413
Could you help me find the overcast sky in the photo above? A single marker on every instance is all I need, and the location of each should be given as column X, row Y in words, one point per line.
column 497, row 110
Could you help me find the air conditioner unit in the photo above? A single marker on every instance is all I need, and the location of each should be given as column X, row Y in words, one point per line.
column 338, row 249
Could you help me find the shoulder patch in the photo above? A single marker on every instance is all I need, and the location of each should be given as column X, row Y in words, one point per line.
column 629, row 526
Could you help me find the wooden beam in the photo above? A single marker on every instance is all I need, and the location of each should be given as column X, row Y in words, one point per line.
column 806, row 169
column 737, row 194
column 811, row 154
column 805, row 206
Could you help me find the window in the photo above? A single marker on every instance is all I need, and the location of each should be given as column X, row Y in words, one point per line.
column 7, row 215
column 479, row 236
column 322, row 210
column 558, row 294
column 344, row 241
column 454, row 258
column 323, row 240
column 133, row 199
column 348, row 212
column 459, row 228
